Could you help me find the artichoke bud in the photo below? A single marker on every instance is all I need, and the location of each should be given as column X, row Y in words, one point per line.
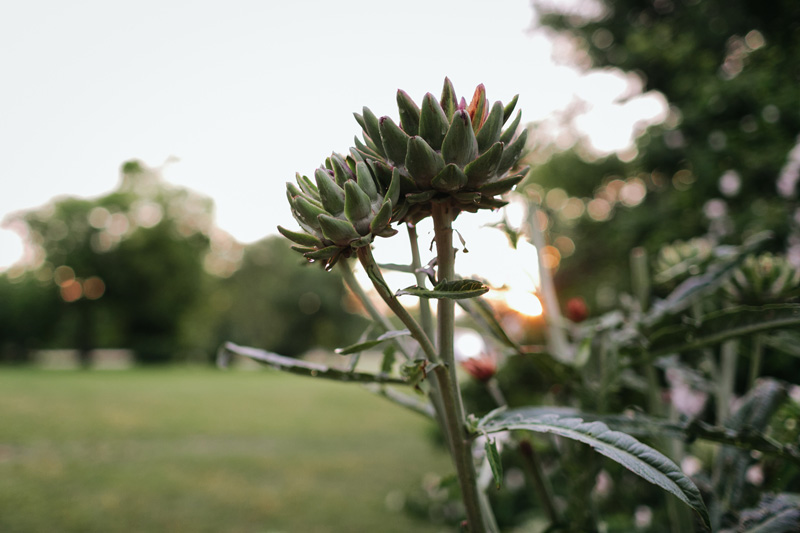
column 357, row 207
column 330, row 193
column 448, row 147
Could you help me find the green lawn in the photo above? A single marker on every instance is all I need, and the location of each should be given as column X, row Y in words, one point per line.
column 204, row 450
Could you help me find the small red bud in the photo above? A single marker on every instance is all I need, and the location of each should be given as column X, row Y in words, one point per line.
column 577, row 310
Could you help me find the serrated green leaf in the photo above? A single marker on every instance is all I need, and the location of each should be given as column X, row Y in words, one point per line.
column 331, row 195
column 459, row 145
column 395, row 140
column 301, row 238
column 366, row 345
column 433, row 123
column 639, row 458
column 493, row 456
column 452, row 290
column 409, row 113
column 306, row 368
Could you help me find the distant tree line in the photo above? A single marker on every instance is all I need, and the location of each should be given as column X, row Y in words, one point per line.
column 144, row 268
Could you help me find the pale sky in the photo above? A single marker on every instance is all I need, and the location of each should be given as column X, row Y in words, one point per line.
column 245, row 93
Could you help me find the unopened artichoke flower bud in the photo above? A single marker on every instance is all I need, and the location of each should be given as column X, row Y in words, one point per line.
column 343, row 208
column 763, row 279
column 446, row 150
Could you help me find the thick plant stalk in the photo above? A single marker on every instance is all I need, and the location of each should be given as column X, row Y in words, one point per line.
column 456, row 422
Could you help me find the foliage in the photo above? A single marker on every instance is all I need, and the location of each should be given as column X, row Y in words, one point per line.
column 144, row 268
column 724, row 161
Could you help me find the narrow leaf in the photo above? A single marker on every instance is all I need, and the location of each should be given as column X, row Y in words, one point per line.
column 453, row 290
column 366, row 345
column 493, row 456
column 639, row 458
column 306, row 368
column 510, row 108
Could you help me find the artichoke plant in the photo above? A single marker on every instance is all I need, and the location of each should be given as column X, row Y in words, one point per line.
column 445, row 150
column 344, row 208
column 763, row 279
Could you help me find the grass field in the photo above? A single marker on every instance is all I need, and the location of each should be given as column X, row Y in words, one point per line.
column 202, row 450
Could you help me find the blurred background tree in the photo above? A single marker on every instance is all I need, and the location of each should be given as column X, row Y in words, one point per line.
column 144, row 268
column 724, row 163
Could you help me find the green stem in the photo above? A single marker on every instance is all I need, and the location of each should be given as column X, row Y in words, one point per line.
column 416, row 264
column 455, row 419
column 533, row 467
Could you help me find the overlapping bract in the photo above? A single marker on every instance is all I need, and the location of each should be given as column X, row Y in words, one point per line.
column 443, row 151
column 344, row 208
column 446, row 150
